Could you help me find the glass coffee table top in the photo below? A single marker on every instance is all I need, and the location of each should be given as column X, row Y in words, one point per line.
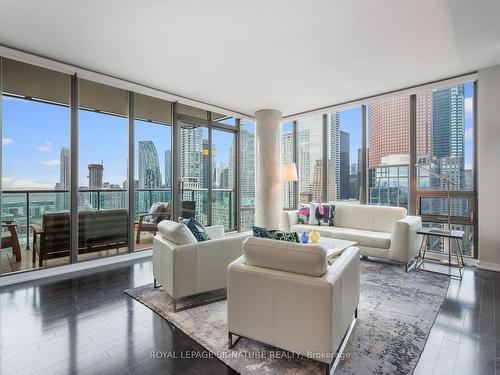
column 334, row 246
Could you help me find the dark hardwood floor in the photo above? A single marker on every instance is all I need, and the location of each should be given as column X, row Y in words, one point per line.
column 87, row 325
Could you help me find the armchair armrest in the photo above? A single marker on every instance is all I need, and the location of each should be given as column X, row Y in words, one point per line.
column 215, row 231
column 404, row 239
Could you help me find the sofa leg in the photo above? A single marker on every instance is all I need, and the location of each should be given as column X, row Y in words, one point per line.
column 175, row 305
column 155, row 284
column 356, row 313
column 229, row 340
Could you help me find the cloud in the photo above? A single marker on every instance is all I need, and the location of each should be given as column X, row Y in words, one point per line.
column 46, row 147
column 468, row 105
column 7, row 141
column 469, row 134
column 14, row 183
column 50, row 163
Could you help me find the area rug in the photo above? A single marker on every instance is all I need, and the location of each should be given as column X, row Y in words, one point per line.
column 395, row 315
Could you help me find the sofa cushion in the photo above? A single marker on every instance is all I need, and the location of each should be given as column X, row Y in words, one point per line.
column 305, row 259
column 374, row 218
column 177, row 233
column 364, row 238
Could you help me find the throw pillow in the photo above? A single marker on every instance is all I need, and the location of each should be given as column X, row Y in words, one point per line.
column 284, row 236
column 163, row 212
column 313, row 220
column 196, row 228
column 261, row 232
column 304, row 213
column 152, row 210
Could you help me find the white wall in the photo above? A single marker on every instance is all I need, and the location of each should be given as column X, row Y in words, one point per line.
column 488, row 158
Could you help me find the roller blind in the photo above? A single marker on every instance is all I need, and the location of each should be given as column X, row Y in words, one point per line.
column 34, row 82
column 217, row 116
column 99, row 97
column 153, row 109
column 184, row 109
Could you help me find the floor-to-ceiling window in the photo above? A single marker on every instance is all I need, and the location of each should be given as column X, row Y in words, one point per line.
column 153, row 167
column 344, row 142
column 445, row 155
column 389, row 152
column 310, row 160
column 102, row 170
column 35, row 167
column 247, row 174
column 287, row 156
column 223, row 179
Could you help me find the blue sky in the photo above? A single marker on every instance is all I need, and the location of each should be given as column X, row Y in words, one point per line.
column 33, row 134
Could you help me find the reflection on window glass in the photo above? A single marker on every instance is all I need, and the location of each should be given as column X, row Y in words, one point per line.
column 247, row 174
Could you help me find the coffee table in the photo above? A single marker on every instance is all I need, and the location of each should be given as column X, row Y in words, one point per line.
column 335, row 247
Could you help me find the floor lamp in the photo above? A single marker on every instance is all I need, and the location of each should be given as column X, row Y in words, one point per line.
column 289, row 175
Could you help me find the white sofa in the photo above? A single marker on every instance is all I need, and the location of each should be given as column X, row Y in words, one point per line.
column 381, row 232
column 184, row 267
column 288, row 296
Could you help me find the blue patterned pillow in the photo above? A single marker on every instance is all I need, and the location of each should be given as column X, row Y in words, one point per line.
column 261, row 232
column 196, row 228
column 284, row 236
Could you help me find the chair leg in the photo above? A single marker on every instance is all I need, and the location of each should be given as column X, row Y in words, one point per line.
column 138, row 235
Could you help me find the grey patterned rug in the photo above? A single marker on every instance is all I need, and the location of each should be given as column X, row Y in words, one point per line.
column 395, row 315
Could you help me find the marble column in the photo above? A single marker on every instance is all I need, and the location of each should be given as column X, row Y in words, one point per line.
column 268, row 185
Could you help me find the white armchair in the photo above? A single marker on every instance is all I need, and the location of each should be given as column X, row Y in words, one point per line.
column 286, row 295
column 185, row 267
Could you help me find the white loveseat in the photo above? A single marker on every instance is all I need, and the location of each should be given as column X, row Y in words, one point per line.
column 184, row 267
column 381, row 232
column 288, row 296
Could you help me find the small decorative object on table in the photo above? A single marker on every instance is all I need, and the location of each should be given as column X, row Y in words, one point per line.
column 304, row 238
column 314, row 236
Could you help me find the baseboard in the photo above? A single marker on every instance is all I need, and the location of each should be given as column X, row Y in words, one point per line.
column 488, row 266
column 24, row 276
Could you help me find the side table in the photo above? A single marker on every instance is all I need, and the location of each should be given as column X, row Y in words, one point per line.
column 454, row 235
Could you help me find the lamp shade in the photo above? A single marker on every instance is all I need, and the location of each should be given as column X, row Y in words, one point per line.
column 289, row 172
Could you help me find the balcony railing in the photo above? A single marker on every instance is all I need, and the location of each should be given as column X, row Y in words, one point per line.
column 26, row 207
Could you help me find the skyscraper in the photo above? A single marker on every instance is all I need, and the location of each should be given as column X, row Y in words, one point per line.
column 247, row 177
column 344, row 175
column 389, row 127
column 287, row 157
column 96, row 172
column 168, row 169
column 149, row 166
column 62, row 199
column 448, row 122
column 192, row 169
column 317, row 182
column 334, row 151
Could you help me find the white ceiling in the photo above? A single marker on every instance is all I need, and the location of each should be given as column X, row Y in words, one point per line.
column 249, row 55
